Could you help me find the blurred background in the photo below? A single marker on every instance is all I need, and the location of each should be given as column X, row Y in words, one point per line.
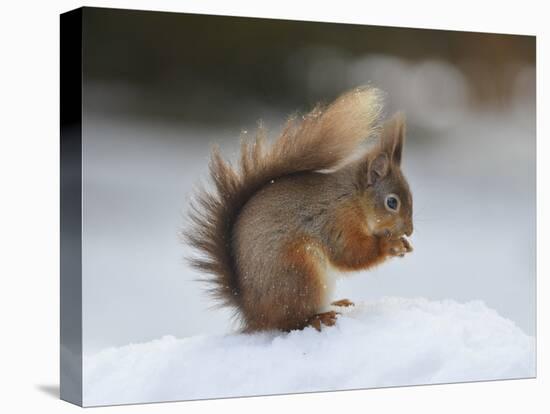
column 160, row 88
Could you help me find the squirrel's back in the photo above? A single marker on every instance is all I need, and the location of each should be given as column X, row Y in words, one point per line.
column 321, row 140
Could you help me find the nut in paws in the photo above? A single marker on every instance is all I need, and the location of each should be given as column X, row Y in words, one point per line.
column 398, row 247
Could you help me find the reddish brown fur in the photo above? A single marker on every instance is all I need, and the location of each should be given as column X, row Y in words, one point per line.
column 287, row 305
column 358, row 249
column 271, row 228
column 294, row 308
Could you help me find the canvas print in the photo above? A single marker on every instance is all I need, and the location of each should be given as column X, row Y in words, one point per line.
column 254, row 206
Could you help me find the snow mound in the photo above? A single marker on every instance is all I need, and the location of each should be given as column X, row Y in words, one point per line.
column 389, row 342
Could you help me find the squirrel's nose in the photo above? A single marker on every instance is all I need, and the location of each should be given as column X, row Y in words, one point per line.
column 409, row 230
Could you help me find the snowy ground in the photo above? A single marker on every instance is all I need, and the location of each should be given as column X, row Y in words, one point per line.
column 389, row 342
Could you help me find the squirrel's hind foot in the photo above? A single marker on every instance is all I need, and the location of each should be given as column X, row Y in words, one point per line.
column 343, row 303
column 325, row 318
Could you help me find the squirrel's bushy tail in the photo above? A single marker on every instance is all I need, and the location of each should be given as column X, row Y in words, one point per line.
column 320, row 140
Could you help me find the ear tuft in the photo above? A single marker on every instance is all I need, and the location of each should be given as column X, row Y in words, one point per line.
column 393, row 137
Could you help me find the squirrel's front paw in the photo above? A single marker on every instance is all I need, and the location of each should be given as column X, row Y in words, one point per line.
column 396, row 247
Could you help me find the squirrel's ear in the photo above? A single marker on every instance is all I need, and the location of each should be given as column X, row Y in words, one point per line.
column 393, row 137
column 378, row 167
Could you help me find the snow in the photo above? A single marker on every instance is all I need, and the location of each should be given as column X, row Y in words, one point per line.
column 388, row 342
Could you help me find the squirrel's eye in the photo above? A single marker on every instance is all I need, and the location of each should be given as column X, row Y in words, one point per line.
column 392, row 202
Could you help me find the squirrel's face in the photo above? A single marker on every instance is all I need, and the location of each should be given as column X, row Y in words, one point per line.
column 388, row 204
column 387, row 199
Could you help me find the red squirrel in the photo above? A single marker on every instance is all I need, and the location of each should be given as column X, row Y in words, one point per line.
column 274, row 229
